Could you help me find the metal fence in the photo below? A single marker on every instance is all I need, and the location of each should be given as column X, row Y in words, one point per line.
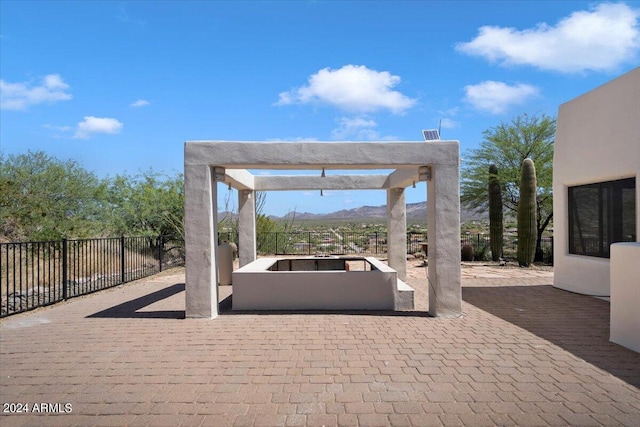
column 482, row 247
column 375, row 243
column 35, row 274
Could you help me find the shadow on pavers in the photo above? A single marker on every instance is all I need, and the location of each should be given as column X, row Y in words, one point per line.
column 576, row 323
column 129, row 309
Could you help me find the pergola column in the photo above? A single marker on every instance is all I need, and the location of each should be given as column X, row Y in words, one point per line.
column 246, row 226
column 397, row 231
column 443, row 228
column 200, row 232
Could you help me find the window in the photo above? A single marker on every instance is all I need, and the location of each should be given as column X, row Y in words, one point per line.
column 601, row 214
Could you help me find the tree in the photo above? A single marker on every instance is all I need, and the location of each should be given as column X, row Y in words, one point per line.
column 506, row 146
column 43, row 198
column 148, row 204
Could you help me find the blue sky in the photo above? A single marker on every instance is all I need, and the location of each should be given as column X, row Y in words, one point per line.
column 119, row 86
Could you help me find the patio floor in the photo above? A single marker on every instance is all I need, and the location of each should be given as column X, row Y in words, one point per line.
column 523, row 353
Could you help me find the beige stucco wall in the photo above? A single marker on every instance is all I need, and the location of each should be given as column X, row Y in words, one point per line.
column 257, row 288
column 597, row 139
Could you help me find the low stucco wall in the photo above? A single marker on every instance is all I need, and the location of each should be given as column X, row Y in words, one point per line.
column 256, row 288
column 596, row 141
column 625, row 295
column 582, row 274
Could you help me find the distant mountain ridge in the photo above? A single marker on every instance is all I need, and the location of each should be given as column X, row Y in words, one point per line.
column 415, row 211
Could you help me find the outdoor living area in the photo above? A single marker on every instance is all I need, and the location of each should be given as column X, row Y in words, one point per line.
column 208, row 164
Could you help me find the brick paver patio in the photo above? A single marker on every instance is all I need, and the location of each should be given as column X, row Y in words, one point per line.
column 524, row 353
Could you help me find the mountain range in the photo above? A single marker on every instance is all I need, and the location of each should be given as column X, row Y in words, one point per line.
column 415, row 211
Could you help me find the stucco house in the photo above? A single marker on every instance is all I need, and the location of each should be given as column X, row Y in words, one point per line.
column 596, row 204
column 596, row 166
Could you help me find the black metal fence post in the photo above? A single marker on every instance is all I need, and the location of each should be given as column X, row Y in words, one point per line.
column 65, row 274
column 160, row 244
column 122, row 263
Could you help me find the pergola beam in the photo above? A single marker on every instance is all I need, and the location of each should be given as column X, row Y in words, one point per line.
column 240, row 179
column 316, row 155
column 332, row 182
column 402, row 178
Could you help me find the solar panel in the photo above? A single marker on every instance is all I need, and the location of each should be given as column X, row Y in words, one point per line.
column 431, row 134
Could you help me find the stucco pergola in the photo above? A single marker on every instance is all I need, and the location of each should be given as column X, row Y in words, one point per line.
column 208, row 162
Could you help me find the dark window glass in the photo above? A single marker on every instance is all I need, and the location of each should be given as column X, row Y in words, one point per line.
column 601, row 214
column 629, row 214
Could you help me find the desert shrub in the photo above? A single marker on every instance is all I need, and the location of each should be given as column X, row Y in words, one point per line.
column 467, row 252
column 481, row 252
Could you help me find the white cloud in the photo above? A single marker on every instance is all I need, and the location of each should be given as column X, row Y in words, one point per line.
column 497, row 97
column 139, row 103
column 91, row 125
column 351, row 88
column 20, row 96
column 57, row 128
column 449, row 112
column 448, row 124
column 599, row 39
column 58, row 132
column 360, row 128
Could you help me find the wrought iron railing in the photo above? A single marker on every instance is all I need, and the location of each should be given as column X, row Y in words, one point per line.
column 375, row 243
column 35, row 274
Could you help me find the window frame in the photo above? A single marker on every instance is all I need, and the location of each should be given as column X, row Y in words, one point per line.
column 609, row 216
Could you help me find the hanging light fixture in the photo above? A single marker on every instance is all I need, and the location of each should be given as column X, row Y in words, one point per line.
column 322, row 175
column 321, row 192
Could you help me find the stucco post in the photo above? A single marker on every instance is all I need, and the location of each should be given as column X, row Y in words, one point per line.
column 201, row 231
column 397, row 231
column 443, row 228
column 246, row 226
column 625, row 295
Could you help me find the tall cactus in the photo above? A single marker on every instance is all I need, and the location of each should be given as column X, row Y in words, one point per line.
column 495, row 213
column 527, row 211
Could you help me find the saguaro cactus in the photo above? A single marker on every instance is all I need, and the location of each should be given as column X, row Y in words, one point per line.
column 527, row 210
column 495, row 213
